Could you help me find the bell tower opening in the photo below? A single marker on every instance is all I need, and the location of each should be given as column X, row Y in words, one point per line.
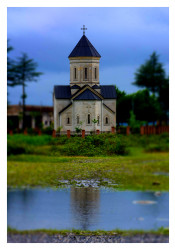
column 84, row 63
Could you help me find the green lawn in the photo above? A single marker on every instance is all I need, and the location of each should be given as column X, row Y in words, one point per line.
column 137, row 171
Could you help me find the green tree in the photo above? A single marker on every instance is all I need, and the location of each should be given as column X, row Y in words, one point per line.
column 150, row 75
column 123, row 107
column 95, row 121
column 163, row 99
column 144, row 106
column 25, row 71
column 10, row 69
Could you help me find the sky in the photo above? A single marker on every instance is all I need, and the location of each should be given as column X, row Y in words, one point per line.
column 124, row 37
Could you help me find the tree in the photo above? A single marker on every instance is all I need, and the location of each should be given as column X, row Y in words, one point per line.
column 25, row 71
column 10, row 69
column 95, row 121
column 123, row 107
column 144, row 106
column 163, row 99
column 150, row 75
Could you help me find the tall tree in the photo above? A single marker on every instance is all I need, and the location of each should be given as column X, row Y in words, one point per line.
column 163, row 99
column 10, row 69
column 150, row 75
column 144, row 106
column 25, row 71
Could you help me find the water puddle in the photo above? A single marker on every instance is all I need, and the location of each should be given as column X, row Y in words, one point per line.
column 161, row 173
column 145, row 202
column 86, row 208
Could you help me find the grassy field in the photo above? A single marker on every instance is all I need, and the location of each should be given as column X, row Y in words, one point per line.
column 145, row 166
column 161, row 231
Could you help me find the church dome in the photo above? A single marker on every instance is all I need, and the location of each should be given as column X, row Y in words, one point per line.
column 84, row 48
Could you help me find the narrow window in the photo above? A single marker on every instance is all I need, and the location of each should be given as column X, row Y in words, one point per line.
column 75, row 73
column 95, row 72
column 98, row 120
column 78, row 120
column 89, row 118
column 68, row 120
column 85, row 73
column 106, row 120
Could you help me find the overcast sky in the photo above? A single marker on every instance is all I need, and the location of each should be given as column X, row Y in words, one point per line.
column 124, row 37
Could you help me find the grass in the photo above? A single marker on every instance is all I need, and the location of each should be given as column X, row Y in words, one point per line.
column 160, row 231
column 134, row 172
column 45, row 165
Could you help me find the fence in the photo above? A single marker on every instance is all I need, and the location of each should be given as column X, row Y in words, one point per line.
column 144, row 130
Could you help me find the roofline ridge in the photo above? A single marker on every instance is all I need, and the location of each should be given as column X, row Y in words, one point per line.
column 90, row 88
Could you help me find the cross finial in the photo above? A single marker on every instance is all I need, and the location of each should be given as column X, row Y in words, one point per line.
column 83, row 29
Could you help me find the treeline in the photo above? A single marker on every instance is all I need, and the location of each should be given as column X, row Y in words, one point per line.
column 20, row 72
column 150, row 104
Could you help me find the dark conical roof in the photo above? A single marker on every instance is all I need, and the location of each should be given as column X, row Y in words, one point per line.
column 84, row 48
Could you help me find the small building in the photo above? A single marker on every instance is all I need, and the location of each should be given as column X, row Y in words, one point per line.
column 35, row 116
column 84, row 99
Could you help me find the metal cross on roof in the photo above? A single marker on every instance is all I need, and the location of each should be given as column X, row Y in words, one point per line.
column 83, row 29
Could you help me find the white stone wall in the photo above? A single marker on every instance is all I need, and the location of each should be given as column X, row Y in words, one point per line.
column 59, row 104
column 82, row 108
column 111, row 119
column 46, row 119
column 80, row 63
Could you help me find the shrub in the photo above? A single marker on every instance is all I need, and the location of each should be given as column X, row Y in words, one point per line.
column 157, row 147
column 13, row 148
column 104, row 144
column 48, row 130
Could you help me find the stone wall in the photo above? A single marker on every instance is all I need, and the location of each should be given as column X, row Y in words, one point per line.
column 59, row 104
column 80, row 64
column 80, row 109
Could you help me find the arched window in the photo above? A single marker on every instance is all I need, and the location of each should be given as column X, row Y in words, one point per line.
column 106, row 120
column 75, row 73
column 78, row 119
column 89, row 118
column 68, row 120
column 95, row 73
column 98, row 120
column 85, row 73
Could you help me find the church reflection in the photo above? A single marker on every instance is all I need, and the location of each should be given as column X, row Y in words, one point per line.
column 84, row 207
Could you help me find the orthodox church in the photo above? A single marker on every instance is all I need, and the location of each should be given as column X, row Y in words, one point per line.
column 84, row 99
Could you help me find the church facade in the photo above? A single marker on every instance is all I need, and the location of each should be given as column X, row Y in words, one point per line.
column 84, row 103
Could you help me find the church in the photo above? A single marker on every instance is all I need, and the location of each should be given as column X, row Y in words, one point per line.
column 84, row 103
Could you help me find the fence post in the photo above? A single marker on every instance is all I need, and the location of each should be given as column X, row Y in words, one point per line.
column 127, row 130
column 98, row 132
column 83, row 133
column 39, row 132
column 141, row 130
column 68, row 133
column 25, row 131
column 54, row 133
column 11, row 132
column 113, row 129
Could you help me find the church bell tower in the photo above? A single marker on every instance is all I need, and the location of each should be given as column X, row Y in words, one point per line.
column 84, row 63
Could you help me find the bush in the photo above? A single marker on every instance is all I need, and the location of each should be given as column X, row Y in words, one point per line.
column 30, row 140
column 104, row 144
column 157, row 147
column 13, row 148
column 48, row 130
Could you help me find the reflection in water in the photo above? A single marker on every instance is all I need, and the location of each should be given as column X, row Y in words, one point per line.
column 84, row 206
